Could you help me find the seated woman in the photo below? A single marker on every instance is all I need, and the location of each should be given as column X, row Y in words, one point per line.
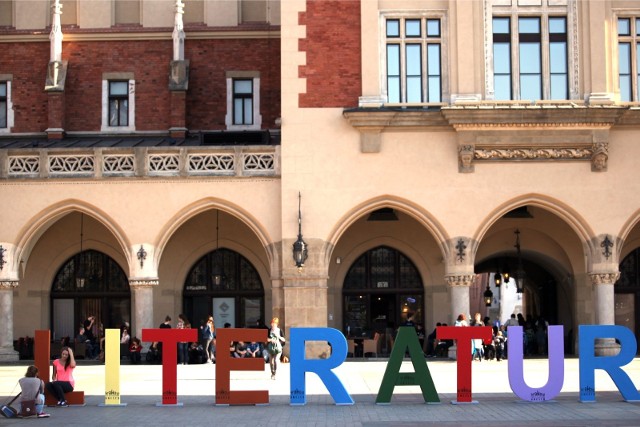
column 32, row 388
column 62, row 378
column 134, row 351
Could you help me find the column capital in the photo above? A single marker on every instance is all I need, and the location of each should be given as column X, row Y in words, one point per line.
column 8, row 284
column 143, row 283
column 604, row 278
column 459, row 280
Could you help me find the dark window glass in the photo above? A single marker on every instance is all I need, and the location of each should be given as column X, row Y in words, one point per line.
column 119, row 103
column 530, row 59
column 558, row 57
column 382, row 268
column 242, row 102
column 3, row 104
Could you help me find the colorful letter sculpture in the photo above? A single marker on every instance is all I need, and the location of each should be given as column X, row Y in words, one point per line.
column 112, row 368
column 407, row 339
column 611, row 364
column 463, row 337
column 556, row 365
column 321, row 367
column 225, row 364
column 170, row 339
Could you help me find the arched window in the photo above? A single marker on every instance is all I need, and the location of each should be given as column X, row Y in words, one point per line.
column 89, row 283
column 227, row 285
column 382, row 290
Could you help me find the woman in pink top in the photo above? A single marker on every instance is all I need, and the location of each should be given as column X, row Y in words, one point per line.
column 62, row 379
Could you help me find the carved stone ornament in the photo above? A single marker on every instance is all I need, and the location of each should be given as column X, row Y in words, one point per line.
column 604, row 278
column 533, row 153
column 600, row 157
column 143, row 283
column 465, row 158
column 8, row 284
column 460, row 280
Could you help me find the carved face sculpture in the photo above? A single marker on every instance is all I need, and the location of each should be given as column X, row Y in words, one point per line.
column 465, row 158
column 600, row 161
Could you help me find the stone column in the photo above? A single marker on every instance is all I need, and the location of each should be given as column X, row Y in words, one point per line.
column 459, row 286
column 7, row 353
column 605, row 309
column 142, row 296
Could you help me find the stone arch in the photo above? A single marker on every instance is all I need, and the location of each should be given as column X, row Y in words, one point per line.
column 563, row 211
column 203, row 205
column 417, row 212
column 39, row 223
column 625, row 233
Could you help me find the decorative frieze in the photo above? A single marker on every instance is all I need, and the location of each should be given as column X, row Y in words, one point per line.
column 533, row 153
column 104, row 164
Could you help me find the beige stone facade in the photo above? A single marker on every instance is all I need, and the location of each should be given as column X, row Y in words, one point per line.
column 452, row 172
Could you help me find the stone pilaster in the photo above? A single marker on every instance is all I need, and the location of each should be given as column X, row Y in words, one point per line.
column 603, row 283
column 7, row 353
column 142, row 296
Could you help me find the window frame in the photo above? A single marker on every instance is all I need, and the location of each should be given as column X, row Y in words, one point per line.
column 107, row 79
column 632, row 39
column 6, row 79
column 231, row 78
column 543, row 39
column 402, row 42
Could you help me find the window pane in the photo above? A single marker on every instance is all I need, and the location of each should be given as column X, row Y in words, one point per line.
column 625, row 88
column 393, row 60
column 558, row 57
column 501, row 26
column 413, row 60
column 529, row 25
column 124, row 112
column 557, row 25
column 237, row 111
column 393, row 87
column 3, row 114
column 502, row 87
column 637, row 27
column 242, row 86
column 624, row 27
column 393, row 28
column 501, row 58
column 118, row 88
column 433, row 58
column 530, row 58
column 113, row 112
column 3, row 89
column 624, row 58
column 559, row 86
column 433, row 28
column 414, row 91
column 412, row 28
column 248, row 111
column 434, row 89
column 530, row 87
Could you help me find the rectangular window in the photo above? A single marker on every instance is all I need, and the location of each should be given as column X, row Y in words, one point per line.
column 530, row 58
column 629, row 59
column 242, row 101
column 3, row 104
column 413, row 60
column 118, row 103
column 502, row 58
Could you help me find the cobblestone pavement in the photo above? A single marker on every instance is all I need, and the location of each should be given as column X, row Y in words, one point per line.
column 496, row 404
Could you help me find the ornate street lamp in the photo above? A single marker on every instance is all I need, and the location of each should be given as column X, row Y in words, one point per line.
column 300, row 253
column 216, row 274
column 488, row 296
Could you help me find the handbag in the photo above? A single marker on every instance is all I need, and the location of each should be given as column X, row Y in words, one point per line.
column 7, row 410
column 274, row 346
column 28, row 408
